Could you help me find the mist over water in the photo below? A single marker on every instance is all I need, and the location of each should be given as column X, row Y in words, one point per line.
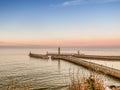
column 17, row 66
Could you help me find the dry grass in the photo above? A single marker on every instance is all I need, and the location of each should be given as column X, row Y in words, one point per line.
column 86, row 83
column 90, row 83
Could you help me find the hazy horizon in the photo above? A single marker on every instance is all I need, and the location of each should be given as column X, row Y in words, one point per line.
column 72, row 47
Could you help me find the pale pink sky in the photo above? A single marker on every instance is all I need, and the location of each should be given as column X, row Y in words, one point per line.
column 85, row 42
column 81, row 23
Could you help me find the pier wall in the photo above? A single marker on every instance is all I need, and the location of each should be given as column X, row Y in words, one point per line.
column 116, row 58
column 38, row 56
column 93, row 66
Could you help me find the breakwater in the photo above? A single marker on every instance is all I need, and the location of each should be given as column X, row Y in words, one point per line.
column 93, row 66
column 115, row 58
column 96, row 57
column 38, row 56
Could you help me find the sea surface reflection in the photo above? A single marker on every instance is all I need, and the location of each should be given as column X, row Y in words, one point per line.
column 18, row 68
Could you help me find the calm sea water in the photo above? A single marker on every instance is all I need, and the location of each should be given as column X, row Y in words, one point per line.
column 18, row 68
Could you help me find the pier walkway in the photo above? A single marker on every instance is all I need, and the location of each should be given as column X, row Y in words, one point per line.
column 96, row 57
column 93, row 66
column 115, row 58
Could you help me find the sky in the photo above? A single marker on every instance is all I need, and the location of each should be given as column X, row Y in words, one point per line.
column 60, row 22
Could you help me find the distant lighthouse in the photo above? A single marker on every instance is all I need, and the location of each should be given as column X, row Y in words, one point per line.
column 58, row 50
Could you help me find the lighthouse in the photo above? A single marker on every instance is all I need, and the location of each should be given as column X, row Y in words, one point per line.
column 58, row 50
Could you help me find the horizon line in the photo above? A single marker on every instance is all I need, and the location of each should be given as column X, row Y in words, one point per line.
column 55, row 46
